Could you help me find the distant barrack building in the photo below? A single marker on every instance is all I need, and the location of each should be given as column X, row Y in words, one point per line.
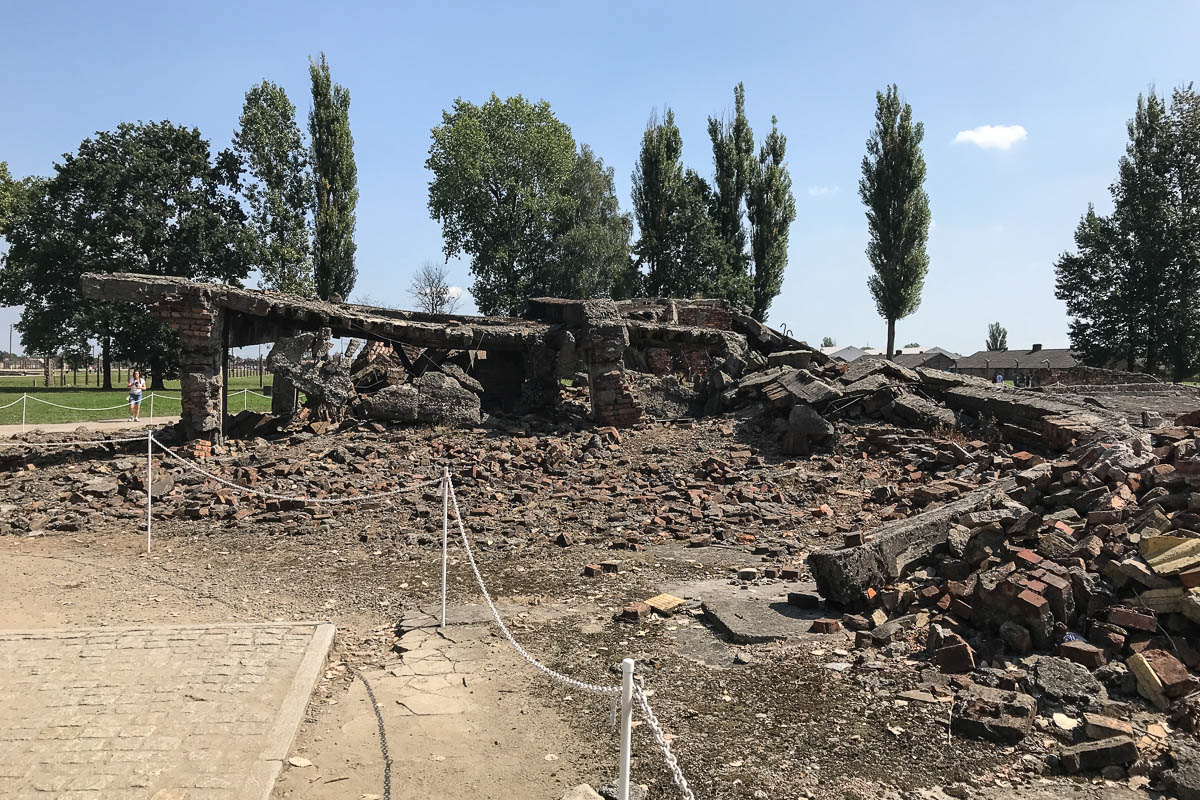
column 1036, row 366
column 1036, row 362
column 912, row 357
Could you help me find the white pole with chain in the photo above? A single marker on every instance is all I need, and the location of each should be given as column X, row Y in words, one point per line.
column 445, row 534
column 152, row 408
column 245, row 399
column 626, row 728
column 24, row 397
column 149, row 483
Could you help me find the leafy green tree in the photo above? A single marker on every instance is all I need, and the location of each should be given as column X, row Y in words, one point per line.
column 699, row 263
column 498, row 190
column 1101, row 294
column 144, row 198
column 828, row 342
column 335, row 184
column 657, row 187
column 536, row 216
column 15, row 196
column 772, row 210
column 280, row 194
column 1183, row 313
column 997, row 338
column 1132, row 287
column 592, row 249
column 1143, row 206
column 892, row 188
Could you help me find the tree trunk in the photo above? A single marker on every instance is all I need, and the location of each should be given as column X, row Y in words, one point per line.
column 891, row 343
column 157, row 384
column 106, row 359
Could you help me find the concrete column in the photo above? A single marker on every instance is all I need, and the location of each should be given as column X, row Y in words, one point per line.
column 283, row 391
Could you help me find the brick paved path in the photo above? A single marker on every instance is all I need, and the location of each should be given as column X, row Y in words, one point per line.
column 195, row 712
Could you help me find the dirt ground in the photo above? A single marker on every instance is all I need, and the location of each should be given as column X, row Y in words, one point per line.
column 780, row 727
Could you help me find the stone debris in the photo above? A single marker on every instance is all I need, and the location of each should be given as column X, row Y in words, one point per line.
column 581, row 792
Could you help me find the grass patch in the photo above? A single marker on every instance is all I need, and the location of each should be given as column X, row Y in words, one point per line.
column 98, row 405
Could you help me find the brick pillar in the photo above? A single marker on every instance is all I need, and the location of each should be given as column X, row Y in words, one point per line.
column 200, row 328
column 604, row 342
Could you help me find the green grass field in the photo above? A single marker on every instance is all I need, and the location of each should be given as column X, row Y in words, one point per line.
column 99, row 404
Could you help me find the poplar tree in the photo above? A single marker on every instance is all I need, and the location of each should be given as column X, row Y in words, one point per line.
column 657, row 186
column 280, row 194
column 335, row 184
column 1143, row 209
column 997, row 338
column 733, row 170
column 772, row 210
column 892, row 188
column 1183, row 317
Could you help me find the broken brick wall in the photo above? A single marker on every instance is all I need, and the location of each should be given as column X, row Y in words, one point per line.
column 707, row 315
column 199, row 325
column 692, row 363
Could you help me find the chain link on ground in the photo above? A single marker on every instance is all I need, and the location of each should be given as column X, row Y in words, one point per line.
column 664, row 745
column 383, row 742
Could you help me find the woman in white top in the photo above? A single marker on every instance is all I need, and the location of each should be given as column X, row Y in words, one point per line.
column 137, row 385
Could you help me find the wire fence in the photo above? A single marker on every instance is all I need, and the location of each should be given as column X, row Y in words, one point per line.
column 147, row 401
column 624, row 694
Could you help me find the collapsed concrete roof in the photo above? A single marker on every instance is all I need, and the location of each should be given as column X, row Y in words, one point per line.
column 258, row 316
column 527, row 354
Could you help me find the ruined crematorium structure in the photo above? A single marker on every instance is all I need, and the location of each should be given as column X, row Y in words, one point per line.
column 418, row 367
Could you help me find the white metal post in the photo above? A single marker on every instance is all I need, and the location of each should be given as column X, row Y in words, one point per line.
column 626, row 728
column 24, row 397
column 152, row 408
column 445, row 533
column 245, row 399
column 149, row 483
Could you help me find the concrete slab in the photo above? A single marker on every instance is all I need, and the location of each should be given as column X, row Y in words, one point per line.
column 752, row 621
column 202, row 711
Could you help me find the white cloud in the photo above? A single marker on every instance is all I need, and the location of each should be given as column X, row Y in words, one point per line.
column 455, row 292
column 993, row 137
column 820, row 191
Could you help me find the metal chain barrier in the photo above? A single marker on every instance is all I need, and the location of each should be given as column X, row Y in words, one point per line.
column 329, row 500
column 558, row 676
column 383, row 742
column 640, row 694
column 76, row 408
column 661, row 738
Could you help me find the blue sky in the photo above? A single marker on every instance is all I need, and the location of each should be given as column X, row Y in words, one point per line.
column 1067, row 73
